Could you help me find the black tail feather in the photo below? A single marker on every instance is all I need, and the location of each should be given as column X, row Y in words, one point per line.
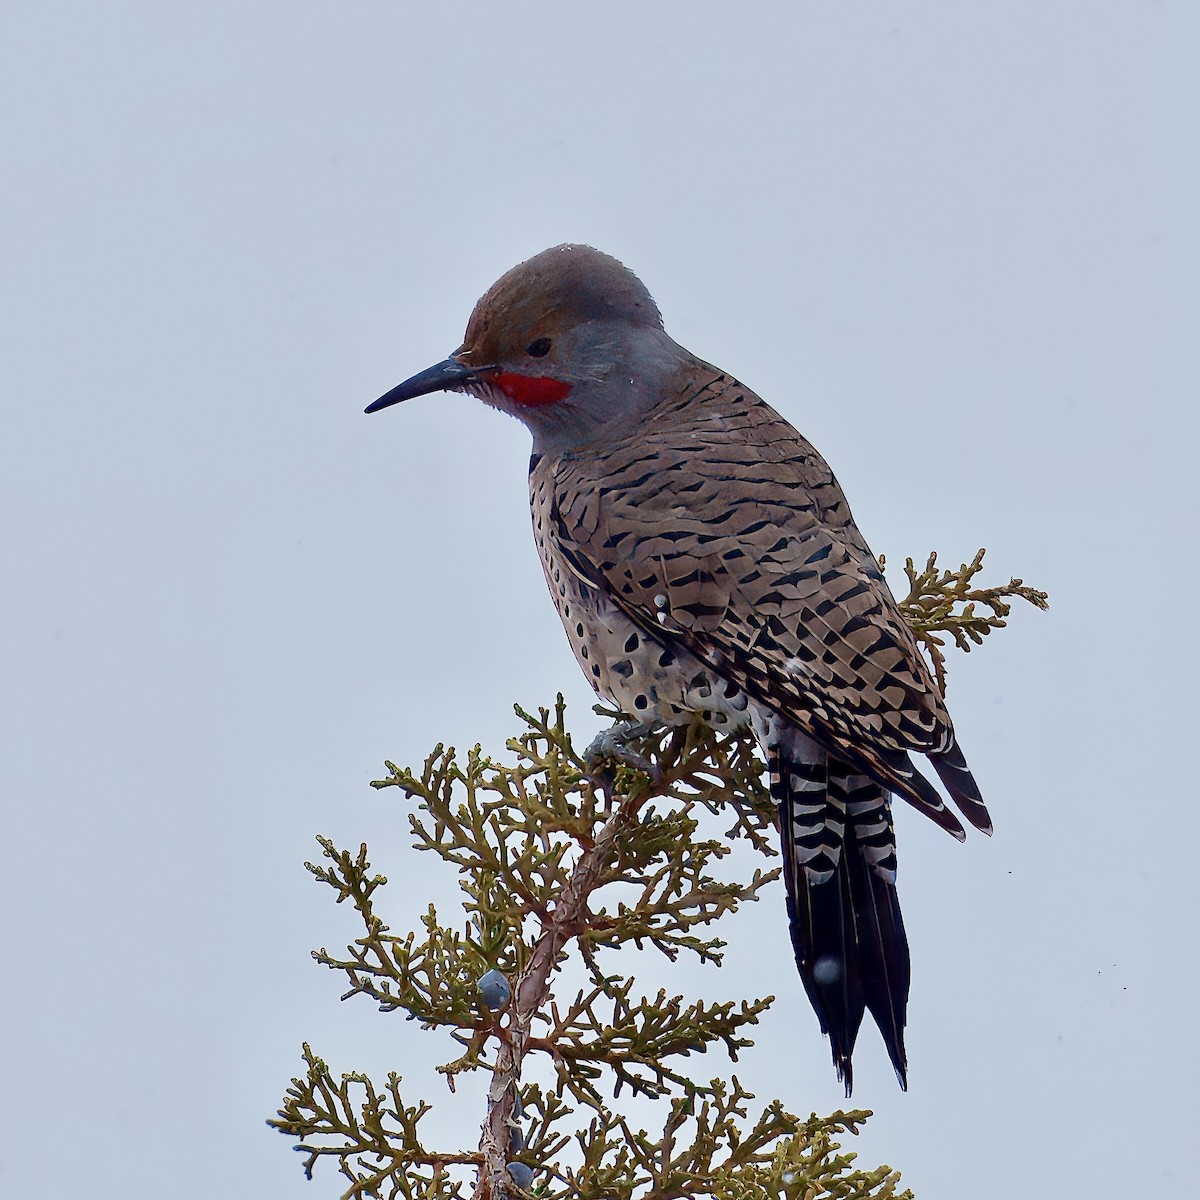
column 847, row 930
column 879, row 937
column 952, row 768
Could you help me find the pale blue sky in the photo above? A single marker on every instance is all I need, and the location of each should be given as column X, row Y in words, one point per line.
column 954, row 244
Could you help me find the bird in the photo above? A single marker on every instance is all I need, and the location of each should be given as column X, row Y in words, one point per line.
column 705, row 565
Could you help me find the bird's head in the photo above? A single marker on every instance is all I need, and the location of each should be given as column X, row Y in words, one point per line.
column 570, row 342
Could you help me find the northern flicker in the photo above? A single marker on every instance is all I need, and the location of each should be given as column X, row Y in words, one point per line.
column 703, row 560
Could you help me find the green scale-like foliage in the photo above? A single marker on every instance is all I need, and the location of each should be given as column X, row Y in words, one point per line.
column 558, row 856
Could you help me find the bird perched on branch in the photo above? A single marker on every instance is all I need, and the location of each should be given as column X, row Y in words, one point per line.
column 703, row 560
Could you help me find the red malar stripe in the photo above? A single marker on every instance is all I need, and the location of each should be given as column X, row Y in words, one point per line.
column 532, row 390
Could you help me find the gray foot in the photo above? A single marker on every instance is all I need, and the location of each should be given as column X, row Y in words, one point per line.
column 613, row 743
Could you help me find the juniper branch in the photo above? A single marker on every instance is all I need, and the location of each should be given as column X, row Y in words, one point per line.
column 375, row 1135
column 553, row 854
column 943, row 601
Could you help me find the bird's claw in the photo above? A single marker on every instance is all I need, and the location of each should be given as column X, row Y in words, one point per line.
column 613, row 743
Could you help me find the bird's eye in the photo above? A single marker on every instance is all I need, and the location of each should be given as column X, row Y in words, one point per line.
column 538, row 349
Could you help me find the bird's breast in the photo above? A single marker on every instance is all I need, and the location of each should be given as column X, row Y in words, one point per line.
column 649, row 676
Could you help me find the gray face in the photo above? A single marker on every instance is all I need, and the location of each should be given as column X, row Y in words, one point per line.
column 614, row 373
column 570, row 343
